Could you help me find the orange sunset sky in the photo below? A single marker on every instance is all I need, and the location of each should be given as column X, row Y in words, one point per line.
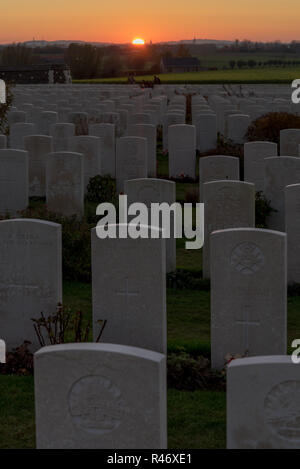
column 158, row 20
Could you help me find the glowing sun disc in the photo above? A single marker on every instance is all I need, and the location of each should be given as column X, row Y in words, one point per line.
column 138, row 41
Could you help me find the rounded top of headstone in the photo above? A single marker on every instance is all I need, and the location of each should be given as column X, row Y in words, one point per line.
column 97, row 347
column 261, row 360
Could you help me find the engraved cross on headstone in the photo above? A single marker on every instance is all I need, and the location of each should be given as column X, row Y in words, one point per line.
column 127, row 292
column 246, row 322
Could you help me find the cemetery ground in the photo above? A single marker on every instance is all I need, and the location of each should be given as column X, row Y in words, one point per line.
column 197, row 417
column 252, row 76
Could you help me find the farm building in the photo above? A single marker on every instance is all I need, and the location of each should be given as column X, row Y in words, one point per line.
column 36, row 74
column 179, row 64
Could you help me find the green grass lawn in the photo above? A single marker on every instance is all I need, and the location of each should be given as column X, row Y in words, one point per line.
column 256, row 75
column 195, row 419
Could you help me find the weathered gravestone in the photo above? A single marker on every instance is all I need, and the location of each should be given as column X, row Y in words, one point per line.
column 279, row 172
column 217, row 167
column 270, row 385
column 254, row 161
column 289, row 142
column 248, row 293
column 227, row 204
column 30, row 277
column 129, row 290
column 148, row 132
column 62, row 133
column 13, row 181
column 64, row 183
column 38, row 147
column 110, row 397
column 131, row 160
column 90, row 147
column 182, row 151
column 292, row 228
column 17, row 134
column 108, row 147
column 159, row 191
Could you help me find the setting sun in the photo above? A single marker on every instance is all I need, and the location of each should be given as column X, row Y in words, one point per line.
column 138, row 41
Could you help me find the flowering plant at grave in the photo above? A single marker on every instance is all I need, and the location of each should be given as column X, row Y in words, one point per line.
column 64, row 326
column 164, row 152
column 19, row 361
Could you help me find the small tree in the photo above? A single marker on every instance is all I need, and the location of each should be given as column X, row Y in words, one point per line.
column 17, row 54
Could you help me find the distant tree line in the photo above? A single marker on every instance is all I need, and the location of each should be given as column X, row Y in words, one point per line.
column 92, row 61
column 259, row 64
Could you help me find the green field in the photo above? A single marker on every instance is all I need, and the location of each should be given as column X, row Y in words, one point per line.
column 256, row 75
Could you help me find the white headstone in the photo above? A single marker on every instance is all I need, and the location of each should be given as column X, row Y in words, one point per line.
column 30, row 277
column 47, row 119
column 182, row 151
column 248, row 293
column 17, row 134
column 170, row 119
column 110, row 397
column 65, row 183
column 13, row 181
column 289, row 142
column 254, row 164
column 206, row 128
column 90, row 147
column 131, row 160
column 61, row 134
column 129, row 290
column 227, row 204
column 270, row 385
column 279, row 172
column 237, row 125
column 148, row 132
column 38, row 147
column 217, row 167
column 150, row 191
column 108, row 147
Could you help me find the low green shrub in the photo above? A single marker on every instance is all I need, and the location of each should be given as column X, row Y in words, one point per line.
column 189, row 373
column 267, row 128
column 101, row 189
column 263, row 210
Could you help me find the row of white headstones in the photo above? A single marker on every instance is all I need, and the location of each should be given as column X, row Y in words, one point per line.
column 107, row 389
